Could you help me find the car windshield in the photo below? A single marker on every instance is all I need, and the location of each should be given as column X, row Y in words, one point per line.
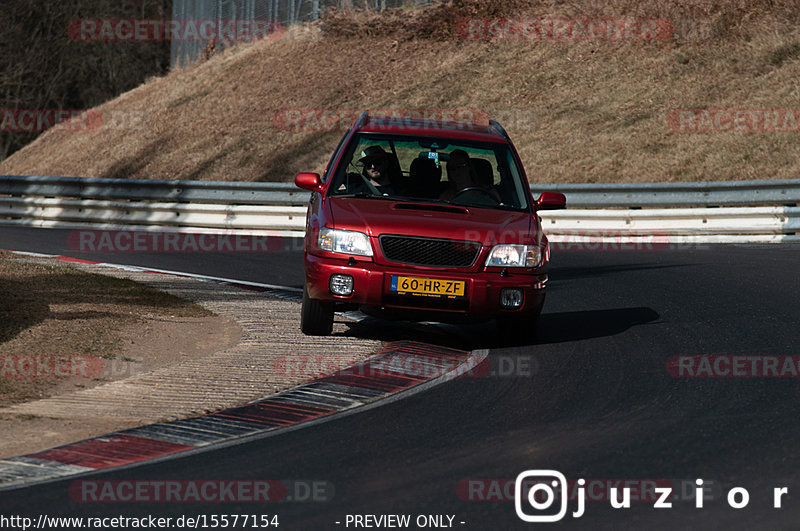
column 460, row 172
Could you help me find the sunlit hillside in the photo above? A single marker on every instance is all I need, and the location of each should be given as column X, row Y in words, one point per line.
column 713, row 95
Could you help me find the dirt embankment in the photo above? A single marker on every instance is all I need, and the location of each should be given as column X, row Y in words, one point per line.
column 579, row 109
column 135, row 351
column 62, row 330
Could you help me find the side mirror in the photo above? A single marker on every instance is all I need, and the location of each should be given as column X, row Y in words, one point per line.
column 551, row 201
column 308, row 181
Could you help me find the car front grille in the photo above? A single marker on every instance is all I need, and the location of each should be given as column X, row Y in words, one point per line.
column 429, row 252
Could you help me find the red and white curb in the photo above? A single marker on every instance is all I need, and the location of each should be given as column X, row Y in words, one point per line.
column 373, row 382
column 402, row 368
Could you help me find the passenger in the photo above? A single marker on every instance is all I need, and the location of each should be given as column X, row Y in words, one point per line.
column 484, row 177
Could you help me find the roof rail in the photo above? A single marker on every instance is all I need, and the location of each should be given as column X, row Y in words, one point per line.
column 493, row 124
column 361, row 120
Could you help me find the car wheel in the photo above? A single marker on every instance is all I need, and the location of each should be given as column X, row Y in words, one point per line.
column 316, row 317
column 519, row 327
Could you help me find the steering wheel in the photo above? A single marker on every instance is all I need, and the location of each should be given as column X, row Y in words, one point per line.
column 479, row 189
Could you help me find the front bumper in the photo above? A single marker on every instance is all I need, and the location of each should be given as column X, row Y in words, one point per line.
column 371, row 287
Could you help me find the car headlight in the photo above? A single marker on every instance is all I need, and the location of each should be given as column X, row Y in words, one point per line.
column 345, row 242
column 514, row 256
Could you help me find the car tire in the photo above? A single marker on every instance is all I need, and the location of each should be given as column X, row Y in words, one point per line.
column 316, row 317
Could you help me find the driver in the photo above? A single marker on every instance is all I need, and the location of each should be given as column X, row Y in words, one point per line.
column 462, row 178
column 376, row 171
column 459, row 174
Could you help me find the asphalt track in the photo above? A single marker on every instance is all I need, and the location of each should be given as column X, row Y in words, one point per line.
column 592, row 399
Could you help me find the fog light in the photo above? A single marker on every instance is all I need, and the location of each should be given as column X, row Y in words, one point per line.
column 511, row 297
column 341, row 285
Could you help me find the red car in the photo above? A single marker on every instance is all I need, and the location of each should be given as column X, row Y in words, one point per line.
column 424, row 221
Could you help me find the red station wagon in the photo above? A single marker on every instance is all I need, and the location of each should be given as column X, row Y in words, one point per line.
column 426, row 221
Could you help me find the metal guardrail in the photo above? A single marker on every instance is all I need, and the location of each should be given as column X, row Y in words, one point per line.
column 658, row 195
column 240, row 193
column 130, row 204
column 745, row 211
column 651, row 213
column 675, row 225
column 621, row 195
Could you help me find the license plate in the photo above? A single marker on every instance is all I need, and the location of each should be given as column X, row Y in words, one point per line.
column 429, row 287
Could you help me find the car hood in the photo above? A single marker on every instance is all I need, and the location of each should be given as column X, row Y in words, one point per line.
column 431, row 220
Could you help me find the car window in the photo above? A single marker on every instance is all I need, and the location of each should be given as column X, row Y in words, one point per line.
column 420, row 168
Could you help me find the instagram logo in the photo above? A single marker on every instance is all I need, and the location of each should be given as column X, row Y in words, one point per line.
column 540, row 488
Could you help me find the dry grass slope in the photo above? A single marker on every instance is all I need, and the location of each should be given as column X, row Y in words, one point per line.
column 578, row 111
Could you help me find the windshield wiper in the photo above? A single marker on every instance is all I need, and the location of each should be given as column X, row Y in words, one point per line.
column 366, row 195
